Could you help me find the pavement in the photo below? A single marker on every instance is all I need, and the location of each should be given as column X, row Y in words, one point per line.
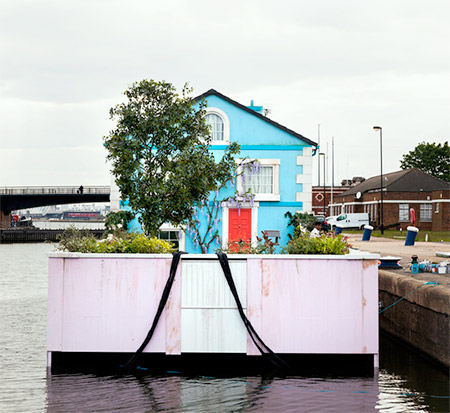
column 396, row 248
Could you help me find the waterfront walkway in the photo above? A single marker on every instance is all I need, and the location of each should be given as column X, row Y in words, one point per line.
column 417, row 313
column 396, row 248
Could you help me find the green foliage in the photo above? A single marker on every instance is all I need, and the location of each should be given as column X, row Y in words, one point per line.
column 329, row 244
column 73, row 240
column 300, row 220
column 119, row 220
column 160, row 154
column 431, row 158
column 264, row 246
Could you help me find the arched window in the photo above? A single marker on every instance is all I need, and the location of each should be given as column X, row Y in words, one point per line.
column 217, row 126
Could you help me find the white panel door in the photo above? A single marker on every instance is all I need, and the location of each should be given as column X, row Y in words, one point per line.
column 210, row 321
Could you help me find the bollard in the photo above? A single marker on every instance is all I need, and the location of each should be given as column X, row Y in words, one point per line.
column 338, row 230
column 411, row 235
column 367, row 232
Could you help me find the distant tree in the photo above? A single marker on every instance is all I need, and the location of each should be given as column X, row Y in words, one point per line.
column 431, row 158
column 160, row 154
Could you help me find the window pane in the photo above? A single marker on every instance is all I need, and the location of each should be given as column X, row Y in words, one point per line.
column 403, row 212
column 170, row 236
column 216, row 126
column 260, row 182
column 425, row 212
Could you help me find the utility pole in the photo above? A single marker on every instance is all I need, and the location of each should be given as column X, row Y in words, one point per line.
column 332, row 173
column 318, row 163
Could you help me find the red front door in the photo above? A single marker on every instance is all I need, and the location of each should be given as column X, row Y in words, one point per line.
column 240, row 225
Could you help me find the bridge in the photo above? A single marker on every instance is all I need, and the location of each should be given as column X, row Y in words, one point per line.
column 20, row 197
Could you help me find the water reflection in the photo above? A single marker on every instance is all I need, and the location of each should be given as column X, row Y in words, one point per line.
column 74, row 393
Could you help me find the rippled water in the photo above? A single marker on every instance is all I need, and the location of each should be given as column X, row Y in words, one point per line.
column 406, row 382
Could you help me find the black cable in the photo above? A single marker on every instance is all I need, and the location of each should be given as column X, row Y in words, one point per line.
column 162, row 303
column 262, row 347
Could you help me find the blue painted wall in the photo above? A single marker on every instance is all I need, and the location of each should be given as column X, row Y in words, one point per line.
column 260, row 140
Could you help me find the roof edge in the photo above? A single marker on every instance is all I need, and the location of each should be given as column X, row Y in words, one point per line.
column 252, row 112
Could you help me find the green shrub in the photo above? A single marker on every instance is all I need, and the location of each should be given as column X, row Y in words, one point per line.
column 264, row 246
column 329, row 244
column 73, row 240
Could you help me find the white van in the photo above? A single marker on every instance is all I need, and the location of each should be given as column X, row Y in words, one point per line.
column 349, row 221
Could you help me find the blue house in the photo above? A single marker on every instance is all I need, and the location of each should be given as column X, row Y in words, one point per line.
column 283, row 181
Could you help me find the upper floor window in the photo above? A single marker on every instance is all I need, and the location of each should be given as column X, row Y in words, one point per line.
column 262, row 181
column 219, row 126
column 215, row 122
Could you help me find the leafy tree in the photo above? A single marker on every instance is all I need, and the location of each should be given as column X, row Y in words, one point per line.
column 431, row 158
column 300, row 220
column 160, row 154
column 118, row 221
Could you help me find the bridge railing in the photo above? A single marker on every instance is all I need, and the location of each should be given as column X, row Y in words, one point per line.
column 55, row 190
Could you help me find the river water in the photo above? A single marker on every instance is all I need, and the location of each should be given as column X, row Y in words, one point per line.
column 406, row 382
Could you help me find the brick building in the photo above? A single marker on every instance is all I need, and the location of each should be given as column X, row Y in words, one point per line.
column 320, row 206
column 402, row 191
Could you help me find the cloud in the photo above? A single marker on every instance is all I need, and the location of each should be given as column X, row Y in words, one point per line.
column 347, row 65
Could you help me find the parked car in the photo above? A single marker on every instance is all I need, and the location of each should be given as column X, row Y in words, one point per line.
column 325, row 226
column 349, row 221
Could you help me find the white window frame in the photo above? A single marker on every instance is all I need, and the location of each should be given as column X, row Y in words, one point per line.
column 405, row 219
column 181, row 234
column 275, row 196
column 226, row 125
column 426, row 212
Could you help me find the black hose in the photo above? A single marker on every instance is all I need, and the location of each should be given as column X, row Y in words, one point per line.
column 262, row 347
column 162, row 303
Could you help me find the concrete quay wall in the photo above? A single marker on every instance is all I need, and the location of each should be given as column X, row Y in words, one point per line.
column 421, row 319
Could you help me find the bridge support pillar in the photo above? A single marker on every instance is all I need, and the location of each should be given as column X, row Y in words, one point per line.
column 5, row 220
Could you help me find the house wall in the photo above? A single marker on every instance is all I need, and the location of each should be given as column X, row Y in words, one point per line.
column 261, row 140
column 441, row 210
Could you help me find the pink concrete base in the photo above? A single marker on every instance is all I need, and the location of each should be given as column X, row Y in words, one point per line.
column 297, row 304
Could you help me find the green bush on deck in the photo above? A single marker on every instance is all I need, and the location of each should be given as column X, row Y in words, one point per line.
column 328, row 244
column 74, row 240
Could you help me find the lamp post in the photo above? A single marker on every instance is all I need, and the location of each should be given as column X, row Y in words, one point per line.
column 322, row 154
column 379, row 128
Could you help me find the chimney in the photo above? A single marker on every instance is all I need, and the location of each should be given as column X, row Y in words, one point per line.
column 258, row 109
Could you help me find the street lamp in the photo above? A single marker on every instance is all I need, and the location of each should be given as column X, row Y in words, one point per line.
column 379, row 128
column 323, row 155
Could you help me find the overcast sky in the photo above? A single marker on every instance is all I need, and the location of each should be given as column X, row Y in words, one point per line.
column 346, row 65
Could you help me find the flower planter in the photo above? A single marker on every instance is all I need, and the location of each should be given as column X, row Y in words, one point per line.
column 298, row 304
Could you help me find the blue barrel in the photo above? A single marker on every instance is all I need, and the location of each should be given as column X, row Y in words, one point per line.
column 367, row 232
column 411, row 235
column 338, row 229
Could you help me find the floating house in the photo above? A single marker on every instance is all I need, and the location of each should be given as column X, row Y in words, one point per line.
column 315, row 306
column 282, row 182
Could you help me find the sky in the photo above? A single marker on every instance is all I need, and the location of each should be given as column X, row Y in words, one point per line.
column 346, row 65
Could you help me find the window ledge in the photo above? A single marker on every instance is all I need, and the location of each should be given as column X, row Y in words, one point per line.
column 267, row 197
column 215, row 143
